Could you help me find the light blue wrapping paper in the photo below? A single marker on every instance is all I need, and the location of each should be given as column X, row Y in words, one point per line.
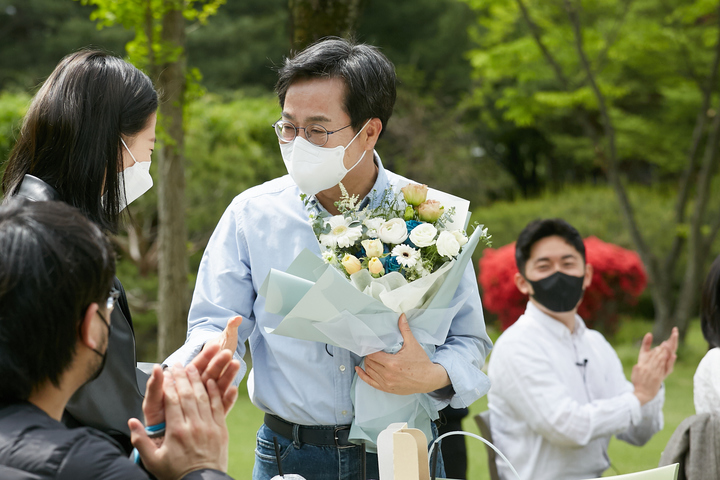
column 319, row 304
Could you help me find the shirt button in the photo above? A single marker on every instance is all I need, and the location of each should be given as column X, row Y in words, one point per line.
column 344, row 412
column 342, row 369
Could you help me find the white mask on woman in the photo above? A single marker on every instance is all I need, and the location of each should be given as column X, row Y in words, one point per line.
column 135, row 179
column 314, row 168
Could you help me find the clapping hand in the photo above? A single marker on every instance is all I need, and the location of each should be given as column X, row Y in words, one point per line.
column 196, row 435
column 213, row 362
column 653, row 366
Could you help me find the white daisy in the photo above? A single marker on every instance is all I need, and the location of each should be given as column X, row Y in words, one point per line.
column 329, row 257
column 341, row 233
column 406, row 255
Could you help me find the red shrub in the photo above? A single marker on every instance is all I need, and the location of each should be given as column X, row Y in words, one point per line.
column 618, row 279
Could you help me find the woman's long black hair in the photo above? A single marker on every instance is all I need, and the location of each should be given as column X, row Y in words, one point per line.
column 70, row 137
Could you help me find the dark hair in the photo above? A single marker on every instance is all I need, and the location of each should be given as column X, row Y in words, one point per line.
column 710, row 305
column 54, row 263
column 539, row 229
column 369, row 77
column 70, row 137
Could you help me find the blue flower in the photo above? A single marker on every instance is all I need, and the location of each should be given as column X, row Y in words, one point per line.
column 391, row 264
column 411, row 224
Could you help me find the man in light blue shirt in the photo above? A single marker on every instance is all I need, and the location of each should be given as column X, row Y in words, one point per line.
column 337, row 98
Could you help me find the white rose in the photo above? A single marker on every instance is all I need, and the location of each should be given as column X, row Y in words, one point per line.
column 447, row 245
column 393, row 231
column 423, row 235
column 373, row 225
column 459, row 236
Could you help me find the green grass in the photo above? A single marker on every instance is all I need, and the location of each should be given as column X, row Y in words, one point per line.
column 245, row 419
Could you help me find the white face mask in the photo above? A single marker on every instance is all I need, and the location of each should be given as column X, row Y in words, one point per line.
column 314, row 168
column 135, row 179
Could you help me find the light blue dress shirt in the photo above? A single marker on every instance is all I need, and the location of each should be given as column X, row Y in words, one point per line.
column 304, row 382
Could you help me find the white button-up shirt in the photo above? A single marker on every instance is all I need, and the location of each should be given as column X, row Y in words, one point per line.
column 557, row 397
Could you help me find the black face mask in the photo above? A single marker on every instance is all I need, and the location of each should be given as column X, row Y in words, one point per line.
column 559, row 292
column 103, row 355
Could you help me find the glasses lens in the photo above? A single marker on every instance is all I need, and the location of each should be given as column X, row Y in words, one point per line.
column 316, row 134
column 285, row 131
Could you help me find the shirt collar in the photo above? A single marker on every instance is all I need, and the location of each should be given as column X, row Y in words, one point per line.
column 556, row 327
column 381, row 184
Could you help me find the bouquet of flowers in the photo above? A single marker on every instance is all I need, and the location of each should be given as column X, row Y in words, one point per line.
column 407, row 254
column 405, row 236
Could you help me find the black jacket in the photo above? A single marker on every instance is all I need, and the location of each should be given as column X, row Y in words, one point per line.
column 109, row 401
column 34, row 446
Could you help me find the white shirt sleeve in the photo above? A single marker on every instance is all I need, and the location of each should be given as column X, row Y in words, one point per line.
column 648, row 419
column 223, row 290
column 706, row 383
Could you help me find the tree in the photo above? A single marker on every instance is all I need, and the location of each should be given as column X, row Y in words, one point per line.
column 159, row 46
column 311, row 20
column 36, row 34
column 618, row 84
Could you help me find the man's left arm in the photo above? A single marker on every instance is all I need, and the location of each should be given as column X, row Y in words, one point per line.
column 465, row 349
column 651, row 418
column 453, row 374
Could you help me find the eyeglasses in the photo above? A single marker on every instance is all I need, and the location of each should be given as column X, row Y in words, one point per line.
column 112, row 299
column 315, row 134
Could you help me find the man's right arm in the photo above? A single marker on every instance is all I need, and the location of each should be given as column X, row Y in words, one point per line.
column 526, row 379
column 223, row 290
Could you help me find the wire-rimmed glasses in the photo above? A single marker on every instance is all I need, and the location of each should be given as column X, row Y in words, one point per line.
column 314, row 133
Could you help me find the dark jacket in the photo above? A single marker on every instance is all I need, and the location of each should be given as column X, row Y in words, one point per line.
column 34, row 446
column 109, row 401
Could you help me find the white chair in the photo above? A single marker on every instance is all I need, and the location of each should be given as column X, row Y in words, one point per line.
column 669, row 472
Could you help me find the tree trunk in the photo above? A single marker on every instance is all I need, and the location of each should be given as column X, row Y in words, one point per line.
column 661, row 292
column 696, row 241
column 172, row 259
column 311, row 20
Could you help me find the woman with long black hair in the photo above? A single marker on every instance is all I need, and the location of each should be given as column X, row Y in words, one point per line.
column 87, row 140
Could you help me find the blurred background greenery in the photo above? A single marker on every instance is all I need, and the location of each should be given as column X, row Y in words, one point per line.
column 498, row 102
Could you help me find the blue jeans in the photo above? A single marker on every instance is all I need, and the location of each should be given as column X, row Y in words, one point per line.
column 316, row 462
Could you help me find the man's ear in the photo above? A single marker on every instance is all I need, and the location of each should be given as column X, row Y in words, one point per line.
column 372, row 132
column 588, row 276
column 89, row 335
column 523, row 285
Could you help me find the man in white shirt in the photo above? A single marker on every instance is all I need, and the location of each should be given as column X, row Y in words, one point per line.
column 558, row 388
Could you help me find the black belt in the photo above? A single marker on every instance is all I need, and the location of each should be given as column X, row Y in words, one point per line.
column 331, row 435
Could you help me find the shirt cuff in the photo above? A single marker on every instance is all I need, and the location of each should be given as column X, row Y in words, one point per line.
column 635, row 408
column 652, row 408
column 468, row 382
column 190, row 348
